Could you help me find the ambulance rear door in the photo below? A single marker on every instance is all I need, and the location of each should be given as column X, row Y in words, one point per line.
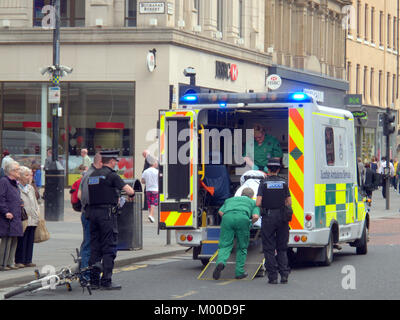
column 178, row 169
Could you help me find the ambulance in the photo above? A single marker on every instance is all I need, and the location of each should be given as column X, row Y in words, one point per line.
column 201, row 147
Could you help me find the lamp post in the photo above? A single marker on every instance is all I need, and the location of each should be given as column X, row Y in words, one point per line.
column 54, row 187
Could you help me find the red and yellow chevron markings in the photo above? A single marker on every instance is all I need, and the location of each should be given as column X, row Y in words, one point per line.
column 176, row 219
column 296, row 166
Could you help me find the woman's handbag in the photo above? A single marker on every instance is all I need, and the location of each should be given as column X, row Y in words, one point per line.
column 24, row 215
column 41, row 232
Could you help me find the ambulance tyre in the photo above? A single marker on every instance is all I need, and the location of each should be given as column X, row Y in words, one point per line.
column 328, row 252
column 363, row 248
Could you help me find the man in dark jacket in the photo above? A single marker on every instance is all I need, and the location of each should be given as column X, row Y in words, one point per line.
column 10, row 216
column 370, row 183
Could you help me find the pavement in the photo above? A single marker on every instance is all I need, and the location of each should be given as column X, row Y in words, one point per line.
column 66, row 236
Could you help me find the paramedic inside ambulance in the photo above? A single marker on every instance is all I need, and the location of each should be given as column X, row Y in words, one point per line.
column 264, row 147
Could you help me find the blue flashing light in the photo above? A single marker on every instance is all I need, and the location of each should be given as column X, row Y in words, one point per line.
column 222, row 104
column 299, row 96
column 190, row 98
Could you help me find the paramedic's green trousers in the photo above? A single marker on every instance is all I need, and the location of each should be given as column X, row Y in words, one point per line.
column 234, row 225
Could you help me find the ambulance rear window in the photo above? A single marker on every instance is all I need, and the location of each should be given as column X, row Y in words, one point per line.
column 329, row 146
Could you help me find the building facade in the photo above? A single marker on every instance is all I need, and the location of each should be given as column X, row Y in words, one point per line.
column 128, row 58
column 372, row 63
column 307, row 43
column 112, row 97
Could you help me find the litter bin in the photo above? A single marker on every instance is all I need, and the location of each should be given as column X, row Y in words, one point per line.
column 54, row 193
column 130, row 227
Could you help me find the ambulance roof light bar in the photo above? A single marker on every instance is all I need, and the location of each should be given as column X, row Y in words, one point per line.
column 223, row 99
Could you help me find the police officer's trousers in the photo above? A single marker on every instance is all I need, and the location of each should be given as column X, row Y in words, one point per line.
column 103, row 242
column 275, row 236
column 234, row 225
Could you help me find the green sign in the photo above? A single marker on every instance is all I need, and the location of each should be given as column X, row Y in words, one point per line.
column 360, row 114
column 353, row 100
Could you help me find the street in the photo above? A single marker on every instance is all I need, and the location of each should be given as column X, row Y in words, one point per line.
column 350, row 277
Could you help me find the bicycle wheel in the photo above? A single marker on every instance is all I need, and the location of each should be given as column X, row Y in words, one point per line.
column 25, row 288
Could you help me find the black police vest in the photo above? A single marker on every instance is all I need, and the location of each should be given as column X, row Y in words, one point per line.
column 274, row 194
column 101, row 192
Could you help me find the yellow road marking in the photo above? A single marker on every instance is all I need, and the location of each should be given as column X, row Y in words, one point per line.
column 190, row 293
column 131, row 268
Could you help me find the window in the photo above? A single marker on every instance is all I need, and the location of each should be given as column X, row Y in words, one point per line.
column 220, row 13
column 389, row 29
column 365, row 83
column 329, row 146
column 358, row 18
column 394, row 44
column 241, row 19
column 371, row 86
column 388, row 89
column 393, row 88
column 366, row 22
column 130, row 13
column 72, row 12
column 372, row 24
column 196, row 6
column 348, row 75
column 380, row 88
column 381, row 28
column 358, row 79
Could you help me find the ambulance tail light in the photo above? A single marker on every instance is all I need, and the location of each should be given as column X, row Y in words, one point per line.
column 308, row 217
column 189, row 238
column 182, row 237
column 296, row 238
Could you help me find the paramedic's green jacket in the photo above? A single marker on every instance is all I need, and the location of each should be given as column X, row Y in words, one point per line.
column 236, row 222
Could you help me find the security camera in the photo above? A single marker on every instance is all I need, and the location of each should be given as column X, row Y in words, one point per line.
column 45, row 70
column 66, row 69
column 188, row 72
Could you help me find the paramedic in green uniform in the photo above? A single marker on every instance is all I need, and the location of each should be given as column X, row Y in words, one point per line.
column 238, row 213
column 264, row 146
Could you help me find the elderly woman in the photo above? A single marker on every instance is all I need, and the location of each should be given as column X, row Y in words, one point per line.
column 10, row 215
column 24, row 253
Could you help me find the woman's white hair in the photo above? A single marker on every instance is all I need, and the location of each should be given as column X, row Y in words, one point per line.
column 10, row 166
column 24, row 170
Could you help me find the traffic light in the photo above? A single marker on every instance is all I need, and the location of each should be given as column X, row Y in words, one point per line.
column 388, row 126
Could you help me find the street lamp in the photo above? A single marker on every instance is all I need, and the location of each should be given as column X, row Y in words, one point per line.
column 54, row 187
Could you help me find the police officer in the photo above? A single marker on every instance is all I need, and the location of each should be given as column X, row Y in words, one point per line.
column 274, row 199
column 104, row 186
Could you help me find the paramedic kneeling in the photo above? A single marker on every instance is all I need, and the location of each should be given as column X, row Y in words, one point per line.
column 237, row 215
column 274, row 199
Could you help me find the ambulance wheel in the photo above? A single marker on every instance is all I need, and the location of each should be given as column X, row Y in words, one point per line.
column 363, row 248
column 328, row 252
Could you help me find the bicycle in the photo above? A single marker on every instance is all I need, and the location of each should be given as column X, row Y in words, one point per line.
column 65, row 276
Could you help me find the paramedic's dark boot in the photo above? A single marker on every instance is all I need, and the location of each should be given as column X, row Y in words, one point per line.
column 284, row 279
column 217, row 271
column 242, row 276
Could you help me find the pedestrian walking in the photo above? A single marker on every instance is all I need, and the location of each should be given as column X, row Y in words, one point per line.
column 275, row 202
column 24, row 253
column 361, row 170
column 150, row 179
column 83, row 195
column 382, row 172
column 370, row 182
column 238, row 214
column 147, row 160
column 374, row 164
column 10, row 215
column 85, row 158
column 104, row 186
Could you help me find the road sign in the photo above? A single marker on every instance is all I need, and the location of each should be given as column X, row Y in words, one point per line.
column 360, row 114
column 55, row 95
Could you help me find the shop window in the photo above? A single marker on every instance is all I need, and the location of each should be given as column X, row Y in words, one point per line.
column 101, row 116
column 329, row 146
column 72, row 12
column 130, row 13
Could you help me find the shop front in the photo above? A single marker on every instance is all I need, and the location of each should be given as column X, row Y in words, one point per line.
column 96, row 115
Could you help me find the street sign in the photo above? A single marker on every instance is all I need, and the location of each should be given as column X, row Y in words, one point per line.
column 360, row 114
column 274, row 81
column 353, row 100
column 55, row 95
